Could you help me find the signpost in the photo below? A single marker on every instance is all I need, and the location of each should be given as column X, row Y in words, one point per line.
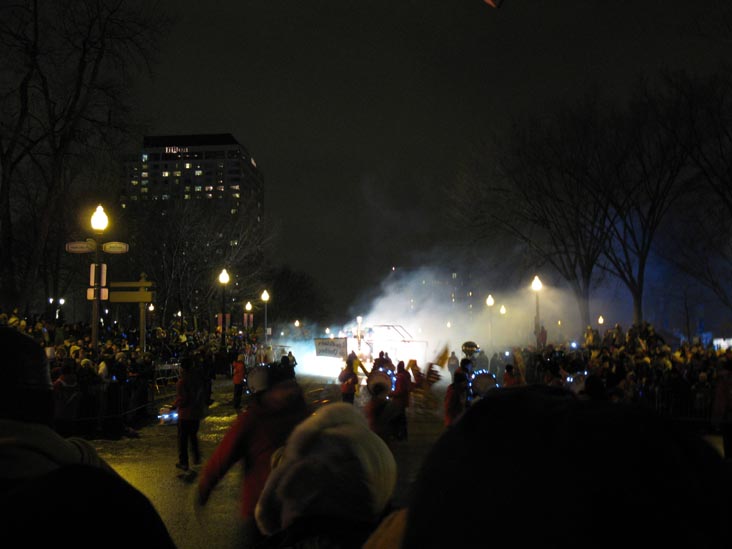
column 98, row 274
column 137, row 291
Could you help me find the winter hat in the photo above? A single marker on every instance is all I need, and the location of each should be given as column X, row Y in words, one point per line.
column 333, row 465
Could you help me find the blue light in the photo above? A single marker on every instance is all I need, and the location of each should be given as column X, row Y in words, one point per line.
column 574, row 345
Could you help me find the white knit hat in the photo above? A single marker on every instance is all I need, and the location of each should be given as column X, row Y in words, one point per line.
column 333, row 465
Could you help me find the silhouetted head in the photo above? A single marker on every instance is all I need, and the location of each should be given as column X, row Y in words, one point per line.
column 25, row 391
column 583, row 468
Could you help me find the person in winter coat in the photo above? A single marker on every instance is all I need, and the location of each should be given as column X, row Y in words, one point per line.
column 456, row 398
column 349, row 381
column 190, row 403
column 252, row 440
column 237, row 377
column 400, row 397
column 40, row 467
column 380, row 412
column 332, row 486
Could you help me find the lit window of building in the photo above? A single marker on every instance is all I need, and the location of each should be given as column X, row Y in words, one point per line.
column 166, row 174
column 198, row 172
column 188, row 165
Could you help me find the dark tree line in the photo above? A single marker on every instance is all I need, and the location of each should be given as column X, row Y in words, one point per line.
column 589, row 187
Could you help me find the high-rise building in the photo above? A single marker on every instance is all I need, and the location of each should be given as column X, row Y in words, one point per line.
column 206, row 167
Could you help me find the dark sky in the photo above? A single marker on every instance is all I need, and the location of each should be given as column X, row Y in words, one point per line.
column 359, row 113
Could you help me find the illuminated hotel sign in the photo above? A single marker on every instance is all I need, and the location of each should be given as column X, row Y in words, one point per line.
column 175, row 150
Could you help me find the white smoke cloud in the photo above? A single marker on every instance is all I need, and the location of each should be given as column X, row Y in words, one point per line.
column 418, row 312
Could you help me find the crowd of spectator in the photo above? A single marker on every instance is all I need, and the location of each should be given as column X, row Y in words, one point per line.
column 109, row 389
column 635, row 365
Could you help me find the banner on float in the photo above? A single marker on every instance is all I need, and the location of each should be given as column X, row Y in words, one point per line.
column 335, row 348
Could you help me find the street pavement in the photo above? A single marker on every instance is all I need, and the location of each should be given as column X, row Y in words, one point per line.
column 148, row 462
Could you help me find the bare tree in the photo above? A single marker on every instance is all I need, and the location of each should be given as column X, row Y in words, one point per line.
column 183, row 245
column 543, row 189
column 651, row 172
column 703, row 246
column 62, row 95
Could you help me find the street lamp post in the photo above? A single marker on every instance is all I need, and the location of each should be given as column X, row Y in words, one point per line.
column 359, row 320
column 224, row 280
column 265, row 298
column 99, row 221
column 490, row 302
column 536, row 285
column 247, row 324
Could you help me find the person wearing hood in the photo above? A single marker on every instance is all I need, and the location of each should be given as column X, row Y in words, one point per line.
column 39, row 465
column 252, row 440
column 332, row 486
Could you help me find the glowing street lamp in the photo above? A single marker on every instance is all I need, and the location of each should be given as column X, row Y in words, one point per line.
column 99, row 222
column 489, row 301
column 265, row 298
column 502, row 310
column 536, row 286
column 224, row 280
column 601, row 320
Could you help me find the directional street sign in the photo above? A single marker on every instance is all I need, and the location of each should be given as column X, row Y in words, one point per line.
column 141, row 296
column 135, row 291
column 78, row 247
column 115, row 247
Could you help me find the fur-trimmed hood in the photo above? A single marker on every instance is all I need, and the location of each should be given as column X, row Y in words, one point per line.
column 332, row 465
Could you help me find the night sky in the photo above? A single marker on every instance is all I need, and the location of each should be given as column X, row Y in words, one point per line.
column 359, row 114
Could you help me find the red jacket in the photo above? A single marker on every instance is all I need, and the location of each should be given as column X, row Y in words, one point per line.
column 252, row 439
column 402, row 388
column 190, row 396
column 349, row 380
column 238, row 374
